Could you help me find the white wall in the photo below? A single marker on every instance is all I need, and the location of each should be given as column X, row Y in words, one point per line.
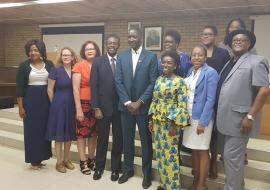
column 54, row 43
column 262, row 32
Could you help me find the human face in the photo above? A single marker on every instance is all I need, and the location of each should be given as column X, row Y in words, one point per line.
column 34, row 54
column 208, row 38
column 168, row 65
column 198, row 57
column 134, row 39
column 240, row 44
column 112, row 46
column 169, row 44
column 66, row 57
column 235, row 25
column 90, row 51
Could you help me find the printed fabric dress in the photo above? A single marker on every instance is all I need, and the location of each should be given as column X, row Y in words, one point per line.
column 87, row 127
column 61, row 124
column 169, row 105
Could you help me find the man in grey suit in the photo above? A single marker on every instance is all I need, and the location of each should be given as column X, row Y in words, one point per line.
column 242, row 91
column 135, row 75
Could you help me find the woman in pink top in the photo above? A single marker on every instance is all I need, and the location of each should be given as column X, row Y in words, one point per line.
column 86, row 128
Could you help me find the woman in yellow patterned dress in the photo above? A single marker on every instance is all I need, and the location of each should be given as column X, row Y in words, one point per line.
column 168, row 114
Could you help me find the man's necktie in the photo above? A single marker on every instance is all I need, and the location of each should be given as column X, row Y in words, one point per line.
column 113, row 64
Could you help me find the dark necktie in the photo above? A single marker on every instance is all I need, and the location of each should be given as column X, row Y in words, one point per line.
column 113, row 64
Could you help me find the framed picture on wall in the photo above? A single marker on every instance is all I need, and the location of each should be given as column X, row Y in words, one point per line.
column 134, row 25
column 153, row 38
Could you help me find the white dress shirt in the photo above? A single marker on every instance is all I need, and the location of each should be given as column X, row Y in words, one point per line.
column 135, row 60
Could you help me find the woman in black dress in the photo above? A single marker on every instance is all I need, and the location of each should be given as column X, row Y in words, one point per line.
column 33, row 102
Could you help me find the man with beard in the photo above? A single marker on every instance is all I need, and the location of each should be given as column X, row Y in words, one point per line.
column 104, row 102
column 136, row 72
column 241, row 93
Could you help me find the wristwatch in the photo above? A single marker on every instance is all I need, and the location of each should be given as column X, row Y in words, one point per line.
column 250, row 117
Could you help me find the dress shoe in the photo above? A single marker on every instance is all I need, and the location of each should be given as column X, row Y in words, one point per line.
column 97, row 175
column 114, row 176
column 160, row 188
column 68, row 164
column 146, row 182
column 124, row 178
column 60, row 167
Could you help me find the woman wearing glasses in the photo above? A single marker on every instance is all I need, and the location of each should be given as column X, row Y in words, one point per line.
column 61, row 123
column 86, row 128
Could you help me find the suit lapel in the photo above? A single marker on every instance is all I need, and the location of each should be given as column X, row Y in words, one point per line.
column 107, row 64
column 237, row 65
column 204, row 68
column 140, row 61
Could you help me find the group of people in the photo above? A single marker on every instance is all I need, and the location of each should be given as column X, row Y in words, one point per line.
column 192, row 103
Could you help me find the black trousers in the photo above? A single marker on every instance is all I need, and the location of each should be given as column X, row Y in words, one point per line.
column 103, row 131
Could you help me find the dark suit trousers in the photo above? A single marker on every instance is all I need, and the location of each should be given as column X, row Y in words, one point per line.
column 128, row 127
column 103, row 130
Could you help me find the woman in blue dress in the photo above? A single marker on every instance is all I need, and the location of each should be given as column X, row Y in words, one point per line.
column 61, row 124
column 33, row 102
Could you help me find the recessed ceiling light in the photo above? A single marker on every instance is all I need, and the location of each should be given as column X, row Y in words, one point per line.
column 20, row 4
column 53, row 1
column 7, row 5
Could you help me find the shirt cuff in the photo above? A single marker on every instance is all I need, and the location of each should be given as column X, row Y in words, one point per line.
column 141, row 101
column 126, row 103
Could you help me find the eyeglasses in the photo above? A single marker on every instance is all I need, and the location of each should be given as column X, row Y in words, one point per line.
column 90, row 49
column 239, row 40
column 207, row 34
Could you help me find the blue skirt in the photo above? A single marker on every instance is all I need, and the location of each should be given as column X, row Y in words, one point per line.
column 36, row 105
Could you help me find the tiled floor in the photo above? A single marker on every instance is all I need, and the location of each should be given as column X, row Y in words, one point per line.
column 16, row 175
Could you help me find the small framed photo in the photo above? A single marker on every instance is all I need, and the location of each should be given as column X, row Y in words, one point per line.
column 153, row 38
column 134, row 25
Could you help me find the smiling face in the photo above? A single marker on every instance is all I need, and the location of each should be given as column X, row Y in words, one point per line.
column 169, row 44
column 134, row 39
column 168, row 65
column 66, row 57
column 208, row 37
column 112, row 46
column 90, row 51
column 34, row 53
column 240, row 44
column 198, row 57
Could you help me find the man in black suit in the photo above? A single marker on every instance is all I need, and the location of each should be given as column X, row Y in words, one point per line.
column 105, row 102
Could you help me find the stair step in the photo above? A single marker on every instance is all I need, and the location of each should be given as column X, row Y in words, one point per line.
column 15, row 140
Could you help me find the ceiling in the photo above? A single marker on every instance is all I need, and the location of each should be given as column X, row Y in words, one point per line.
column 104, row 10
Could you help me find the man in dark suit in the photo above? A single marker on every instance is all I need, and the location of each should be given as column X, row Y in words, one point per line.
column 136, row 72
column 104, row 102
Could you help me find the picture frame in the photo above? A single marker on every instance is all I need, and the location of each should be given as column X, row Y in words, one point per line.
column 153, row 38
column 134, row 25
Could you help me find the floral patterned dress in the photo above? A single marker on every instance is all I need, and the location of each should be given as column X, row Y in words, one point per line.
column 169, row 105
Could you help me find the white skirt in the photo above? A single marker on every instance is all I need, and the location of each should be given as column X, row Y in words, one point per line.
column 198, row 142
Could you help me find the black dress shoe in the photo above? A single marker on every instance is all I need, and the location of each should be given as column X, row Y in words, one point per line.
column 146, row 182
column 124, row 178
column 97, row 175
column 114, row 176
column 160, row 188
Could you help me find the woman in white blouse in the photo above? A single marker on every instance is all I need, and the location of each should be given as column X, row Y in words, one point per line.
column 33, row 102
column 201, row 84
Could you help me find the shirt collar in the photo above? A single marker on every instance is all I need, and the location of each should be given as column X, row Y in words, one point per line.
column 138, row 52
column 110, row 58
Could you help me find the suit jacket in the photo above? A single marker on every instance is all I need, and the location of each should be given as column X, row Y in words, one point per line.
column 103, row 89
column 238, row 93
column 205, row 94
column 140, row 86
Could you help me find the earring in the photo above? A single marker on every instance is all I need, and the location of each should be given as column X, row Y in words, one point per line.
column 174, row 68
